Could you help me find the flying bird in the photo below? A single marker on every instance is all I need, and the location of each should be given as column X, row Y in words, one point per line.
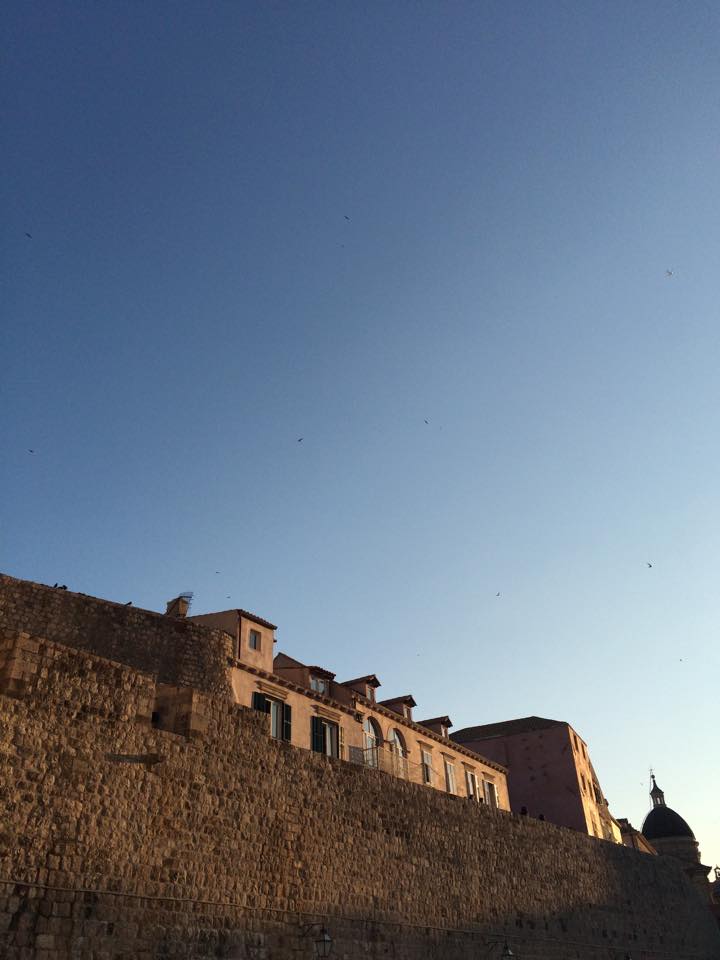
column 347, row 217
column 29, row 236
column 217, row 571
column 300, row 439
column 129, row 603
column 31, row 451
column 497, row 594
column 649, row 565
column 427, row 421
column 669, row 273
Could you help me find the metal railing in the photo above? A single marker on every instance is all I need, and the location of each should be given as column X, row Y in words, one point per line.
column 394, row 763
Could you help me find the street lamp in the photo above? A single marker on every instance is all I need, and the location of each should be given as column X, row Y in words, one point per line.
column 323, row 944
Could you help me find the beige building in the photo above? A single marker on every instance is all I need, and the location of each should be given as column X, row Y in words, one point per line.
column 309, row 708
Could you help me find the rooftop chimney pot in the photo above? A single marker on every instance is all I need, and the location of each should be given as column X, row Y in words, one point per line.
column 177, row 607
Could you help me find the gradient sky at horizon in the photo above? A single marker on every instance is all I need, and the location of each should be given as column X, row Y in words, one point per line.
column 252, row 223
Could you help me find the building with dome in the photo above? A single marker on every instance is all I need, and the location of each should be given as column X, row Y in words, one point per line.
column 671, row 836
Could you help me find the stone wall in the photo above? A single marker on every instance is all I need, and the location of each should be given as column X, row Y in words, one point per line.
column 175, row 651
column 122, row 840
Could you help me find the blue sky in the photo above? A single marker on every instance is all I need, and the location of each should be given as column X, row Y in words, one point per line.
column 255, row 223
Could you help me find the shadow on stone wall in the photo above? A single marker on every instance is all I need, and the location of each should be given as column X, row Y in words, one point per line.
column 123, row 841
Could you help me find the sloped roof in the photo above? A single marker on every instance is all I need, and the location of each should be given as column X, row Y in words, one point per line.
column 506, row 728
column 371, row 680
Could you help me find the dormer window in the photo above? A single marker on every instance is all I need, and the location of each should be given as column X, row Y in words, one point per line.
column 319, row 685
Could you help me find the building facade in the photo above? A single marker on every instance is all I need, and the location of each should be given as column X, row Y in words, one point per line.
column 310, row 708
column 550, row 773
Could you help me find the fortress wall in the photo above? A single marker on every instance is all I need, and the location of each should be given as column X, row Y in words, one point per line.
column 175, row 651
column 120, row 840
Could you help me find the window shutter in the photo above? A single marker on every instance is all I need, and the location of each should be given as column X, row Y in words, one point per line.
column 287, row 722
column 260, row 702
column 317, row 737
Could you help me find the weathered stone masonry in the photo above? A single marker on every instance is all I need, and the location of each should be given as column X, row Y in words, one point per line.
column 118, row 839
column 174, row 651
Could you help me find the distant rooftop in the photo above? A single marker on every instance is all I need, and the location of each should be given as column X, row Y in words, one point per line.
column 256, row 619
column 407, row 698
column 371, row 680
column 445, row 721
column 505, row 728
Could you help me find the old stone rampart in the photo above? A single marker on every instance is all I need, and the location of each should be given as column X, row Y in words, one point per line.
column 175, row 651
column 122, row 840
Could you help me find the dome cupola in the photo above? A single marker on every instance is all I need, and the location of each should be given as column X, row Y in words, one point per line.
column 662, row 821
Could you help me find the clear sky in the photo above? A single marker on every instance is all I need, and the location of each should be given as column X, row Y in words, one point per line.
column 254, row 223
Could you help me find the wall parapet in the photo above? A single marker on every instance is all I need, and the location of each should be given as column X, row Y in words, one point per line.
column 176, row 651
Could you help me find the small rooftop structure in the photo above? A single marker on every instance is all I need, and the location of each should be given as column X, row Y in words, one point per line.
column 402, row 705
column 439, row 725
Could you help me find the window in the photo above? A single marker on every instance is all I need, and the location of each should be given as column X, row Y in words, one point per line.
column 319, row 685
column 254, row 640
column 325, row 736
column 490, row 793
column 471, row 785
column 398, row 754
column 396, row 744
column 372, row 735
column 450, row 785
column 427, row 768
column 280, row 715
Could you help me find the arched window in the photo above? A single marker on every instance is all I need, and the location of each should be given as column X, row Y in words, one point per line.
column 372, row 734
column 398, row 753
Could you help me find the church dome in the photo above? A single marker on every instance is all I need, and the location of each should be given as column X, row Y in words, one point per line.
column 662, row 822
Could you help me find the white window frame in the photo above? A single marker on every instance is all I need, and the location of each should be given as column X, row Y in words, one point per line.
column 490, row 794
column 471, row 784
column 427, row 766
column 319, row 684
column 276, row 718
column 450, row 782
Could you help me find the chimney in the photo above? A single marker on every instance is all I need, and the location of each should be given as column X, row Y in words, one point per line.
column 178, row 607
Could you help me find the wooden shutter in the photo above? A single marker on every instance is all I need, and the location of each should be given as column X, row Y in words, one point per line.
column 260, row 702
column 317, row 740
column 286, row 722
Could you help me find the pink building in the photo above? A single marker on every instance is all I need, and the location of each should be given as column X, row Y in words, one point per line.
column 550, row 774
